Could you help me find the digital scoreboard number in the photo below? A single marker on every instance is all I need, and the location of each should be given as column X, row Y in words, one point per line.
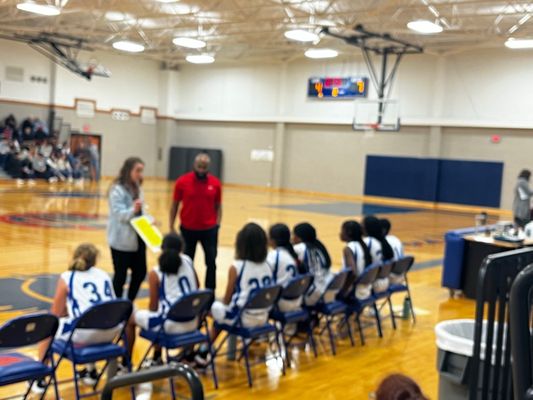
column 331, row 88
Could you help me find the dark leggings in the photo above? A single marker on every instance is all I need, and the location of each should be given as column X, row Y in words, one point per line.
column 134, row 260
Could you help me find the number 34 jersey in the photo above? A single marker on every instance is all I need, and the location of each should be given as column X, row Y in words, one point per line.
column 250, row 276
column 87, row 288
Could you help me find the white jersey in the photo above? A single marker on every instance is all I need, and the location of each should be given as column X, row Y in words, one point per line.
column 358, row 256
column 173, row 286
column 250, row 276
column 528, row 230
column 374, row 246
column 397, row 246
column 316, row 263
column 283, row 266
column 86, row 288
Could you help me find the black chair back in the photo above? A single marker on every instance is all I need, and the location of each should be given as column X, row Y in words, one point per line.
column 338, row 280
column 105, row 315
column 403, row 265
column 521, row 337
column 491, row 379
column 297, row 287
column 263, row 298
column 190, row 306
column 28, row 330
column 368, row 276
column 385, row 270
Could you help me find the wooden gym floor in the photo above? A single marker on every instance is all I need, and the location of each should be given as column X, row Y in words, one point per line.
column 41, row 225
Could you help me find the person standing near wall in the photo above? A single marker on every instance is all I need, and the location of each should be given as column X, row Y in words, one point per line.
column 522, row 199
column 200, row 195
column 128, row 251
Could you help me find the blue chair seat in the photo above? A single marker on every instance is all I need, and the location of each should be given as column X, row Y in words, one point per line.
column 289, row 317
column 332, row 308
column 397, row 288
column 88, row 353
column 356, row 305
column 172, row 341
column 246, row 332
column 16, row 367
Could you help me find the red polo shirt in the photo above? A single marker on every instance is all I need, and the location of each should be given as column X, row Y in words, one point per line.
column 199, row 199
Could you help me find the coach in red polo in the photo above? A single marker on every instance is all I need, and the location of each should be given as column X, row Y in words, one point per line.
column 200, row 195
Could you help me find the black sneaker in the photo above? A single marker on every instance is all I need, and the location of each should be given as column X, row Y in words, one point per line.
column 38, row 386
column 88, row 377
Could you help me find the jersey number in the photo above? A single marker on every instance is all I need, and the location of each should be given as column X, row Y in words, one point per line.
column 254, row 282
column 96, row 297
column 291, row 269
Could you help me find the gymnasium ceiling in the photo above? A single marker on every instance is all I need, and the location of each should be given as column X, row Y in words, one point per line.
column 252, row 30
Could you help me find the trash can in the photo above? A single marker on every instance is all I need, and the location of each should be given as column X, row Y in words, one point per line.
column 455, row 347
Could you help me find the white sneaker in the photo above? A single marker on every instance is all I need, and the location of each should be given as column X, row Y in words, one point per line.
column 31, row 182
column 52, row 179
column 20, row 182
column 38, row 386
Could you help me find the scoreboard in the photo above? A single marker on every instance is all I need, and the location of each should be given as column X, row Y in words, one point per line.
column 327, row 88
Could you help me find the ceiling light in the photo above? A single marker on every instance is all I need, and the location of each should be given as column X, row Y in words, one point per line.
column 126, row 45
column 190, row 43
column 115, row 16
column 512, row 43
column 40, row 9
column 301, row 35
column 200, row 59
column 167, row 1
column 424, row 26
column 321, row 53
column 178, row 8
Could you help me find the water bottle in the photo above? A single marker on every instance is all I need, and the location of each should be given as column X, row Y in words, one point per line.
column 406, row 313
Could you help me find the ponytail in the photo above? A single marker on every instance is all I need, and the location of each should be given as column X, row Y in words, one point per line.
column 281, row 236
column 84, row 257
column 374, row 229
column 307, row 234
column 353, row 233
column 170, row 261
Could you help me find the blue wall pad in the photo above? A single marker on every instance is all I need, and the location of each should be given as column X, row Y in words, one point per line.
column 470, row 182
column 402, row 177
column 448, row 181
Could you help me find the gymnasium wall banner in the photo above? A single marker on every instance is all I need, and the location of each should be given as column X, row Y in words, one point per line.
column 86, row 150
column 337, row 88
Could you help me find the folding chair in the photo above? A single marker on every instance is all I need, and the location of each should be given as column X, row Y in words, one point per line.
column 105, row 315
column 329, row 308
column 190, row 306
column 402, row 267
column 16, row 367
column 295, row 289
column 356, row 306
column 384, row 273
column 260, row 299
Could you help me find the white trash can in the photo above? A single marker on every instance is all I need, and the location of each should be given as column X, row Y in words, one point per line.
column 455, row 344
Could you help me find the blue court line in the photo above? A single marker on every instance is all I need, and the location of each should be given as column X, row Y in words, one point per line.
column 345, row 209
column 427, row 264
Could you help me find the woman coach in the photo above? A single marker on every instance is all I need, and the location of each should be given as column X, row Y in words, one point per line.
column 127, row 248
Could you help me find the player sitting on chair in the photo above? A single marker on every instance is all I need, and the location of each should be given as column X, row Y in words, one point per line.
column 397, row 247
column 315, row 260
column 380, row 249
column 78, row 289
column 356, row 255
column 284, row 262
column 173, row 278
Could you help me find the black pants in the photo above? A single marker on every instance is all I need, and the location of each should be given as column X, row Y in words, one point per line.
column 136, row 261
column 209, row 240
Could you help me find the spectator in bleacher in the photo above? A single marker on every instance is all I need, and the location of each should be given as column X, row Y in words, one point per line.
column 5, row 149
column 314, row 258
column 40, row 166
column 522, row 199
column 27, row 129
column 11, row 122
column 40, row 129
column 46, row 148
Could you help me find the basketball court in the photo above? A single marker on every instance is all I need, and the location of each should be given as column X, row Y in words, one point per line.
column 426, row 129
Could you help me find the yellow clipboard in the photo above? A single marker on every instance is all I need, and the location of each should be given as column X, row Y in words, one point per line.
column 148, row 232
